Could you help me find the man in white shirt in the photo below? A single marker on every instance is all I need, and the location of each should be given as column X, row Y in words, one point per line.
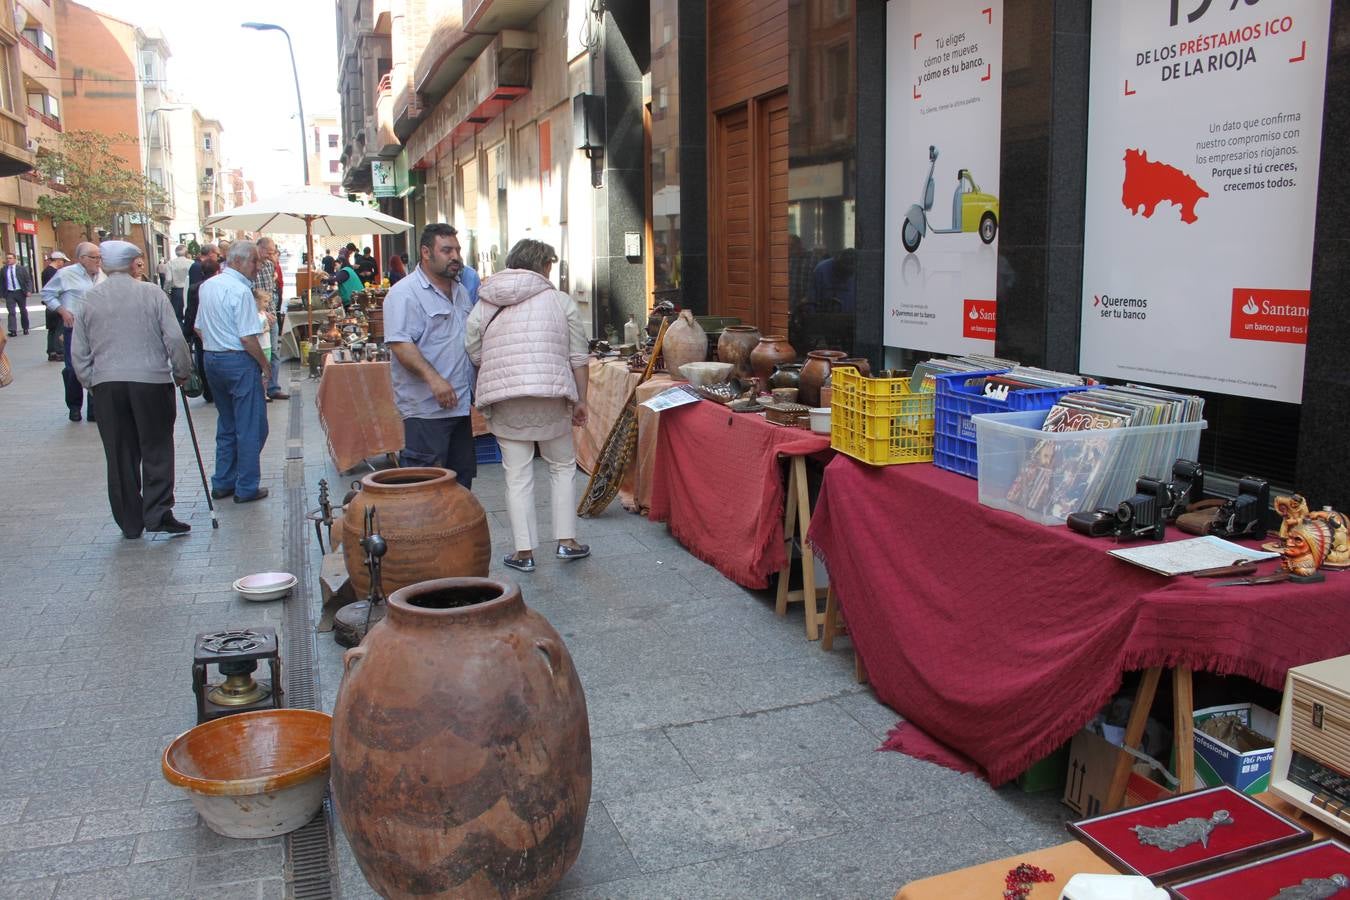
column 178, row 279
column 64, row 294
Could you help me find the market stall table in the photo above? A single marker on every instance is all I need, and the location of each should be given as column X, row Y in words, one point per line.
column 610, row 384
column 719, row 485
column 1000, row 638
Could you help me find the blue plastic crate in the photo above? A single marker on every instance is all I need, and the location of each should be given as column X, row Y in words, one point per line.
column 485, row 450
column 956, row 401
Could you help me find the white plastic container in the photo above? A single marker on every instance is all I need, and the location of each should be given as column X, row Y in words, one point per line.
column 820, row 419
column 1043, row 476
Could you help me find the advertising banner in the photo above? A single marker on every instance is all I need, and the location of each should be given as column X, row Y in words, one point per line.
column 944, row 93
column 1204, row 144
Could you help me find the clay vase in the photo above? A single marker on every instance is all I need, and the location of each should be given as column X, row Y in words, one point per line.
column 771, row 352
column 735, row 346
column 857, row 362
column 434, row 527
column 814, row 373
column 685, row 342
column 461, row 753
column 786, row 376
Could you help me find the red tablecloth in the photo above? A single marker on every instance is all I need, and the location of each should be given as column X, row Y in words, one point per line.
column 1001, row 638
column 718, row 483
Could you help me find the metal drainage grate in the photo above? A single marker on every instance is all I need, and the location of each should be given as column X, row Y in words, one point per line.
column 310, row 870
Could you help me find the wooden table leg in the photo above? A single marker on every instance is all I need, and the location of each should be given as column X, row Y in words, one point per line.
column 1134, row 733
column 809, row 597
column 789, row 523
column 831, row 620
column 1183, row 727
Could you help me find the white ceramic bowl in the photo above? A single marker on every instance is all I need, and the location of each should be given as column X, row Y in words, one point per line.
column 702, row 374
column 820, row 420
column 265, row 585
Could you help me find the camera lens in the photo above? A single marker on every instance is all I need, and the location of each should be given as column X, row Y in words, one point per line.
column 1124, row 512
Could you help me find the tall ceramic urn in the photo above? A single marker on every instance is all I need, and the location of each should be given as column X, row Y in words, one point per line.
column 461, row 759
column 434, row 526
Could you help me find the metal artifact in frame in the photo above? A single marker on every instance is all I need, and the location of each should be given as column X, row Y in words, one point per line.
column 1188, row 834
column 1315, row 872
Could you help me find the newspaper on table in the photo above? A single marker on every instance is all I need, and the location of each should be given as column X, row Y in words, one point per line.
column 670, row 398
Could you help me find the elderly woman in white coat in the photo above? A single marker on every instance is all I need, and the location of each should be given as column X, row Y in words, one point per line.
column 528, row 340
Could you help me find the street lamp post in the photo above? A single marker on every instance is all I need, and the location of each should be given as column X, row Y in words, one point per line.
column 304, row 146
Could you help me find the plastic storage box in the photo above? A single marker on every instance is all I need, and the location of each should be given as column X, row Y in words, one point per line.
column 1080, row 470
column 878, row 420
column 485, row 450
column 954, row 446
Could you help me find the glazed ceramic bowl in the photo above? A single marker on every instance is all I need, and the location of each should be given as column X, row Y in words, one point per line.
column 254, row 774
column 702, row 374
column 820, row 420
column 265, row 585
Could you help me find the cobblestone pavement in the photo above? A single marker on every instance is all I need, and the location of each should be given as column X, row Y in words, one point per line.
column 731, row 757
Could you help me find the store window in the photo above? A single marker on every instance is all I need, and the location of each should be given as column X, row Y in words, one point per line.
column 332, row 140
column 207, row 142
column 665, row 157
column 332, row 165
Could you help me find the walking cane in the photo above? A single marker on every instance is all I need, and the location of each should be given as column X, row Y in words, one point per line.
column 198, row 450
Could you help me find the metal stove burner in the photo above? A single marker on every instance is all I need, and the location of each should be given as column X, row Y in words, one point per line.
column 232, row 642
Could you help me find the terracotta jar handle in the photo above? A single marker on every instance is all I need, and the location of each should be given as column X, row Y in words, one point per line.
column 552, row 654
column 351, row 658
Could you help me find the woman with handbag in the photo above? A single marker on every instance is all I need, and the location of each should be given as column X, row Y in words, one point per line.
column 528, row 340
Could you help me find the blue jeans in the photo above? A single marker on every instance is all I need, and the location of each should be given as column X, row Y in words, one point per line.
column 241, row 420
column 274, row 386
column 74, row 390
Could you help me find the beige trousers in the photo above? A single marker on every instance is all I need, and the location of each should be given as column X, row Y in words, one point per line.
column 518, row 463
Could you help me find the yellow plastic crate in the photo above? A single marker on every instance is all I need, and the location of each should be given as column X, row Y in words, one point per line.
column 879, row 420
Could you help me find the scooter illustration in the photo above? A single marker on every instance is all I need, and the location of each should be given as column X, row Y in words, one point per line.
column 972, row 210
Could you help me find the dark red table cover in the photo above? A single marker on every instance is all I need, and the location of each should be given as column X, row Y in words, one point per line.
column 1001, row 638
column 719, row 485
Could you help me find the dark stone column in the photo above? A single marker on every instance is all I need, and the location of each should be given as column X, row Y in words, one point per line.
column 693, row 31
column 870, row 210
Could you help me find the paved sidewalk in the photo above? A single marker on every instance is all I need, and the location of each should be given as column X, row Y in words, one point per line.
column 731, row 757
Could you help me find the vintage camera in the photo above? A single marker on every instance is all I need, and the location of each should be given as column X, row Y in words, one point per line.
column 1245, row 515
column 1186, row 487
column 1098, row 523
column 1141, row 516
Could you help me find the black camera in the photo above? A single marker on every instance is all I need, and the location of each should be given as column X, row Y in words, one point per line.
column 1098, row 523
column 1141, row 516
column 1245, row 515
column 1186, row 487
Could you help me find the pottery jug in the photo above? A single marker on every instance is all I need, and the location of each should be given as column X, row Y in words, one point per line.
column 814, row 373
column 857, row 362
column 786, row 376
column 772, row 351
column 461, row 756
column 435, row 528
column 685, row 342
column 735, row 346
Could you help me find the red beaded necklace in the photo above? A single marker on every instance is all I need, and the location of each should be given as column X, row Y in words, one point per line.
column 1020, row 880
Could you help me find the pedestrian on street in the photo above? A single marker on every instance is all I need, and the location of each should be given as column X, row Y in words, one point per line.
column 365, row 267
column 63, row 295
column 17, row 282
column 179, row 268
column 128, row 349
column 227, row 322
column 207, row 266
column 55, row 261
column 396, row 270
column 528, row 339
column 329, row 263
column 266, row 281
column 424, row 326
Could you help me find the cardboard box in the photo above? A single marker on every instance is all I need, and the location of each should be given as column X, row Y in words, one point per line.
column 1092, row 763
column 1218, row 763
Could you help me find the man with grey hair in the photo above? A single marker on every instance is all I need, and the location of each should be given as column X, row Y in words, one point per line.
column 178, row 279
column 266, row 281
column 128, row 349
column 228, row 324
column 63, row 295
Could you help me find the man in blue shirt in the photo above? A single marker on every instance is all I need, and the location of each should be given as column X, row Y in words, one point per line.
column 424, row 316
column 64, row 295
column 228, row 324
column 469, row 278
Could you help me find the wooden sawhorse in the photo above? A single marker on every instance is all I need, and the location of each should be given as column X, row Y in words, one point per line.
column 797, row 518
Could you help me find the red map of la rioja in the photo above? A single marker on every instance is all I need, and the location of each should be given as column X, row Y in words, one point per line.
column 1149, row 183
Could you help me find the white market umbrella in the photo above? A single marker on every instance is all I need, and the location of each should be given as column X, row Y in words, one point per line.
column 308, row 212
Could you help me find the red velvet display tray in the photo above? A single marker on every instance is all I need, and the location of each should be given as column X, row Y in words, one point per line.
column 1255, row 829
column 1265, row 878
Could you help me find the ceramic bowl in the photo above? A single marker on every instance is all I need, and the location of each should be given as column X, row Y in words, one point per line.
column 702, row 374
column 820, row 420
column 784, row 395
column 254, row 774
column 265, row 585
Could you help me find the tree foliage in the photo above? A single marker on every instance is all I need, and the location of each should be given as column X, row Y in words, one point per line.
column 92, row 184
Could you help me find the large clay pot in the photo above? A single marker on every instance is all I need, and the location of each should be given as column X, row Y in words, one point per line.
column 461, row 749
column 814, row 373
column 735, row 346
column 857, row 362
column 435, row 528
column 772, row 351
column 685, row 342
column 788, row 376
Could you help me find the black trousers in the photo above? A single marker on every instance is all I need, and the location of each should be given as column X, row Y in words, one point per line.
column 17, row 302
column 445, row 443
column 176, row 301
column 54, row 328
column 135, row 421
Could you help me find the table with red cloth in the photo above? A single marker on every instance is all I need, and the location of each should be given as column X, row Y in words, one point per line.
column 1000, row 638
column 718, row 482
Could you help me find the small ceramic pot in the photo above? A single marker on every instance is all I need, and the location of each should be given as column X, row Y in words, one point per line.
column 735, row 346
column 857, row 362
column 771, row 352
column 786, row 376
column 814, row 373
column 784, row 395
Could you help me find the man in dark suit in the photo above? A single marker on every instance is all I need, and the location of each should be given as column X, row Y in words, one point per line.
column 17, row 283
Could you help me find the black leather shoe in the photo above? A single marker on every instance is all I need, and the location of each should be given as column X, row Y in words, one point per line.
column 75, row 415
column 262, row 492
column 278, row 395
column 131, row 535
column 221, row 493
column 171, row 525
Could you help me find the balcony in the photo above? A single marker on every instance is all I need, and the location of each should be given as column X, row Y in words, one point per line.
column 39, row 52
column 386, row 142
column 15, row 157
column 50, row 121
column 492, row 16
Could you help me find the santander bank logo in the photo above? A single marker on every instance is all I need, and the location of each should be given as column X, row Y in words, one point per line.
column 1266, row 314
column 980, row 319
